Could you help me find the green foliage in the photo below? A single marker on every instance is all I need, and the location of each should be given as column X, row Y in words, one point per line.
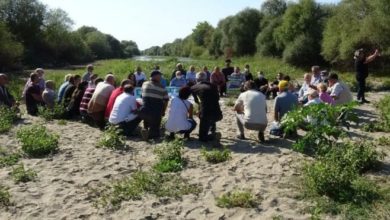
column 112, row 138
column 57, row 112
column 5, row 197
column 230, row 102
column 10, row 50
column 216, row 156
column 383, row 124
column 37, row 141
column 170, row 157
column 141, row 183
column 238, row 198
column 8, row 117
column 19, row 174
column 8, row 159
column 384, row 141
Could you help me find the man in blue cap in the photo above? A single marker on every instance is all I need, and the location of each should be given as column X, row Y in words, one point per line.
column 155, row 100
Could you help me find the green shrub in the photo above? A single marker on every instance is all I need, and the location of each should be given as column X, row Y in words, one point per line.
column 9, row 159
column 216, row 156
column 8, row 117
column 20, row 174
column 57, row 112
column 384, row 141
column 230, row 102
column 237, row 198
column 5, row 197
column 113, row 139
column 141, row 183
column 37, row 141
column 169, row 157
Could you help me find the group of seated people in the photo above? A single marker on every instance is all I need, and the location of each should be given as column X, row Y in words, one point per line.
column 96, row 100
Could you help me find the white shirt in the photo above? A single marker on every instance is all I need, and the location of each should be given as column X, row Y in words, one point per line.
column 342, row 93
column 303, row 91
column 255, row 107
column 313, row 101
column 139, row 77
column 178, row 115
column 123, row 109
column 191, row 76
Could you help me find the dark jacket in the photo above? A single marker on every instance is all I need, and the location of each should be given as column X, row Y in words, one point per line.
column 206, row 95
column 5, row 97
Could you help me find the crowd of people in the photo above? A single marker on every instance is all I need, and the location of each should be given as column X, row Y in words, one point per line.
column 97, row 101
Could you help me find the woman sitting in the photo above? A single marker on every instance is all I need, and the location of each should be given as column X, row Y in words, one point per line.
column 180, row 115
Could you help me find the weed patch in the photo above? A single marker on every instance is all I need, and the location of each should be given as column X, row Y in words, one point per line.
column 8, row 117
column 170, row 157
column 112, row 139
column 7, row 160
column 57, row 112
column 5, row 197
column 238, row 198
column 20, row 174
column 37, row 141
column 216, row 156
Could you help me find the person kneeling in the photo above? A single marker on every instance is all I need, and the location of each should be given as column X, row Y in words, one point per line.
column 251, row 108
column 180, row 115
column 123, row 112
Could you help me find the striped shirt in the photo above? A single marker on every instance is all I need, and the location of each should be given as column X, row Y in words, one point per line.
column 86, row 98
column 153, row 96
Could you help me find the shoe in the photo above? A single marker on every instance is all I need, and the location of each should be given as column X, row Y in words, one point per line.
column 241, row 137
column 261, row 137
column 144, row 134
column 365, row 101
column 217, row 136
column 170, row 137
column 187, row 136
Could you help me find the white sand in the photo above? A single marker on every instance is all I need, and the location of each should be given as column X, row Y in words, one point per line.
column 61, row 189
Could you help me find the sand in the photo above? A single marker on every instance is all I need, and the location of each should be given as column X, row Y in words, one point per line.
column 62, row 189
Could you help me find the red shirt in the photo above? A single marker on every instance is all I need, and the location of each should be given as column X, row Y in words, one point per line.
column 111, row 101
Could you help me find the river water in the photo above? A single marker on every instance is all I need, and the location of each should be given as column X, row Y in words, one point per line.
column 160, row 58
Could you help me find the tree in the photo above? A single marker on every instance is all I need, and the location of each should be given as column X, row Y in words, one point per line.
column 98, row 43
column 274, row 8
column 201, row 34
column 130, row 49
column 10, row 50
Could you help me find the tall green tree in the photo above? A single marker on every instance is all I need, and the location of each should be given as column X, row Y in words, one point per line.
column 10, row 50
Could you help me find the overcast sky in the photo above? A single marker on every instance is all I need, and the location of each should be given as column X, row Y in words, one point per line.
column 150, row 22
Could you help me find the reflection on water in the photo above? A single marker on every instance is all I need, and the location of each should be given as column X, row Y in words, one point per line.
column 160, row 58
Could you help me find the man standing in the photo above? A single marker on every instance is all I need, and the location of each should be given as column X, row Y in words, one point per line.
column 206, row 95
column 98, row 103
column 155, row 100
column 251, row 108
column 123, row 111
column 361, row 67
column 6, row 99
column 227, row 71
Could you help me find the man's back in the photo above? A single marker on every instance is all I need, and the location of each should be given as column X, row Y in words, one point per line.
column 284, row 103
column 153, row 96
column 209, row 99
column 255, row 107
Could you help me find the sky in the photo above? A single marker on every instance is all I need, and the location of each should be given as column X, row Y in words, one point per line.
column 150, row 22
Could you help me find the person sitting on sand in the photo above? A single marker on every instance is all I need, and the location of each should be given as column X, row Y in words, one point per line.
column 6, row 99
column 274, row 86
column 155, row 100
column 118, row 91
column 304, row 90
column 236, row 79
column 323, row 95
column 33, row 95
column 123, row 111
column 206, row 95
column 262, row 83
column 312, row 97
column 178, row 81
column 180, row 117
column 338, row 90
column 179, row 67
column 74, row 82
column 87, row 75
column 284, row 102
column 49, row 95
column 97, row 104
column 315, row 76
column 41, row 81
column 218, row 79
column 73, row 108
column 140, row 77
column 251, row 108
column 247, row 73
column 208, row 74
column 61, row 90
column 86, row 98
column 191, row 75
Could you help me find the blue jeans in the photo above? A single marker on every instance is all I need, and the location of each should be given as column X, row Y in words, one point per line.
column 192, row 128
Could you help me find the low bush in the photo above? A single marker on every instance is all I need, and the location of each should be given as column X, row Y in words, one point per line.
column 384, row 141
column 216, row 156
column 113, row 139
column 141, row 183
column 383, row 124
column 37, row 141
column 238, row 198
column 57, row 112
column 8, row 117
column 5, row 197
column 170, row 157
column 20, row 174
column 7, row 160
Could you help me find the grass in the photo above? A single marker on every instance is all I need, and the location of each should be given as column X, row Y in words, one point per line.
column 238, row 198
column 230, row 102
column 5, row 197
column 170, row 157
column 384, row 141
column 37, row 141
column 8, row 117
column 62, row 122
column 112, row 139
column 216, row 156
column 20, row 174
column 7, row 160
column 142, row 183
column 57, row 112
column 383, row 124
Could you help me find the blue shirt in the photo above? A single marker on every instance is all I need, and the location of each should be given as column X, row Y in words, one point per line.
column 61, row 91
column 284, row 103
column 178, row 82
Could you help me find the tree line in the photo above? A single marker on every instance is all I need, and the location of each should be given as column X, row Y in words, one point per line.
column 32, row 34
column 301, row 33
